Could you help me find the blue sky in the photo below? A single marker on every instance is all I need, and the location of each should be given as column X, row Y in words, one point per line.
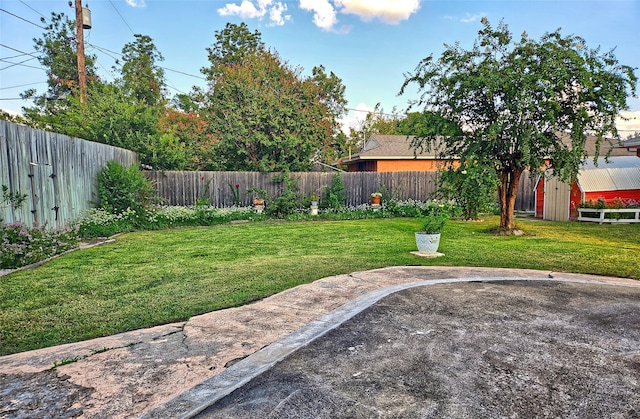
column 369, row 44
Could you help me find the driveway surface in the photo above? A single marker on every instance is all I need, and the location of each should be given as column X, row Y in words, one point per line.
column 394, row 342
column 494, row 349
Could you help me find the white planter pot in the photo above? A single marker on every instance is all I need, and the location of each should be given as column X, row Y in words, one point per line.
column 427, row 243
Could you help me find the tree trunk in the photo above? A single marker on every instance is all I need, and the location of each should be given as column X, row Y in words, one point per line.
column 507, row 191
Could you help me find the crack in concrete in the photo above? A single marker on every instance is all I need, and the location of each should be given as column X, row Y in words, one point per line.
column 73, row 360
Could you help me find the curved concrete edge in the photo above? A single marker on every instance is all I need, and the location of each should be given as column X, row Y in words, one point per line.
column 202, row 396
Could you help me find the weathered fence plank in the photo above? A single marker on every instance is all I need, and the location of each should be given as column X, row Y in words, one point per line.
column 57, row 172
column 185, row 188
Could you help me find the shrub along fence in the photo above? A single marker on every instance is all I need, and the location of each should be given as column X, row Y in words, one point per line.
column 56, row 172
column 217, row 188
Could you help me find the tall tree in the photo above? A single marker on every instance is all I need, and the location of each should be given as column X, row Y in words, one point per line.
column 332, row 96
column 265, row 117
column 263, row 114
column 233, row 44
column 515, row 102
column 142, row 77
column 375, row 122
column 57, row 50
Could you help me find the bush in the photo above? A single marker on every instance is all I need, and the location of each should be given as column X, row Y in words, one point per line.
column 122, row 188
column 334, row 196
column 290, row 199
column 472, row 187
column 21, row 245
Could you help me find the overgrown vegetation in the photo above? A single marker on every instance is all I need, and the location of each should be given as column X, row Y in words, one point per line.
column 334, row 196
column 471, row 186
column 615, row 204
column 21, row 245
column 11, row 199
column 125, row 189
column 290, row 199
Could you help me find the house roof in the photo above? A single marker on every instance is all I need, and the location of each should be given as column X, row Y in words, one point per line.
column 398, row 147
column 390, row 147
column 620, row 173
column 631, row 143
column 605, row 145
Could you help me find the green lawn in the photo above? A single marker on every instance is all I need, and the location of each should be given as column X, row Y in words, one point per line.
column 154, row 277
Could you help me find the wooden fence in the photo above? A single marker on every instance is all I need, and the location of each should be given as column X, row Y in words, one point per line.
column 56, row 172
column 217, row 188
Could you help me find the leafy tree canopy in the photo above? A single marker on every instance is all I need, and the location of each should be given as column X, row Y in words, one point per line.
column 142, row 78
column 265, row 117
column 233, row 43
column 264, row 114
column 520, row 104
column 57, row 53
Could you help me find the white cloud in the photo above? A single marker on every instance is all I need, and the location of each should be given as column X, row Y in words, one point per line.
column 355, row 117
column 468, row 17
column 324, row 15
column 256, row 9
column 276, row 14
column 246, row 10
column 390, row 11
column 136, row 3
column 629, row 123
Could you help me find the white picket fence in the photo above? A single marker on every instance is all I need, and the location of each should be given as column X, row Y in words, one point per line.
column 599, row 215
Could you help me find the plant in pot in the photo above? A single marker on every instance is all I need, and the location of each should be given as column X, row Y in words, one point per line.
column 259, row 198
column 428, row 238
column 314, row 204
column 375, row 198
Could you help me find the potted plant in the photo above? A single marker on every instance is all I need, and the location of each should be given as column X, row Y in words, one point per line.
column 260, row 195
column 428, row 238
column 375, row 198
column 314, row 204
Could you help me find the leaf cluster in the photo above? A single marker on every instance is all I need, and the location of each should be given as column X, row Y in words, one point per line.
column 522, row 104
column 122, row 189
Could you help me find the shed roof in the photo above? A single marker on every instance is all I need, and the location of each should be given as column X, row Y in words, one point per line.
column 620, row 173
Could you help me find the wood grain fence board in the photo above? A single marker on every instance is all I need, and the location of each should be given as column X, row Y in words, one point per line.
column 184, row 188
column 63, row 173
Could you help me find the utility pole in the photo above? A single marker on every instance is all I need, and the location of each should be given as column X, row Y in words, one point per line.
column 82, row 74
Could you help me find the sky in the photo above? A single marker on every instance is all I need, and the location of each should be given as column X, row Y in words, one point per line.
column 370, row 44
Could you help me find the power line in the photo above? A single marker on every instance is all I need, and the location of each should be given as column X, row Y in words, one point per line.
column 182, row 72
column 22, row 85
column 32, row 9
column 106, row 51
column 17, row 50
column 21, row 18
column 20, row 63
column 118, row 12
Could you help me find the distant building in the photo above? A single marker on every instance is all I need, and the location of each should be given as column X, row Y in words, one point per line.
column 392, row 153
column 612, row 180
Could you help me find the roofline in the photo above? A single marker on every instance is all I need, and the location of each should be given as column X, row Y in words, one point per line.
column 360, row 158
